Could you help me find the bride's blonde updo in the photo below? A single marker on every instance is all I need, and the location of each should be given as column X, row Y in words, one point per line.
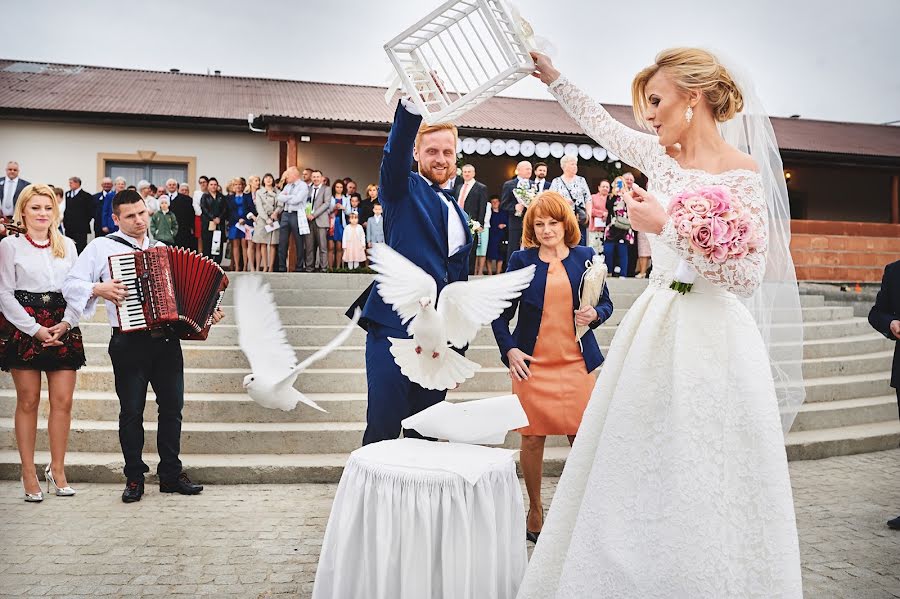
column 691, row 69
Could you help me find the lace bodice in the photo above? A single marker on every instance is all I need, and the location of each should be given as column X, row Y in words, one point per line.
column 667, row 179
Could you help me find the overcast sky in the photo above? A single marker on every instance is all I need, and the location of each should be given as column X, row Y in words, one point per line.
column 821, row 59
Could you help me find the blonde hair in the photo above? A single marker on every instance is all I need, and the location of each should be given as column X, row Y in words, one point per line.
column 425, row 129
column 57, row 244
column 369, row 188
column 550, row 203
column 690, row 69
column 566, row 159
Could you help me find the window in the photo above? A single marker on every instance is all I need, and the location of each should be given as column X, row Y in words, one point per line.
column 155, row 172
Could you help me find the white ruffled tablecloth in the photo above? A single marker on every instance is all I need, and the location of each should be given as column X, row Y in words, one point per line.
column 407, row 523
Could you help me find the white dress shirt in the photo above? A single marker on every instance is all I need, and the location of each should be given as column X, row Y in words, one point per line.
column 24, row 267
column 456, row 230
column 9, row 190
column 91, row 267
column 197, row 195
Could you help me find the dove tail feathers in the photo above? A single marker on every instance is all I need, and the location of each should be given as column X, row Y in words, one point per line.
column 441, row 373
column 332, row 345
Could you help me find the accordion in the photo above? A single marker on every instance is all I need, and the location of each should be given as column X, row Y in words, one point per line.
column 168, row 286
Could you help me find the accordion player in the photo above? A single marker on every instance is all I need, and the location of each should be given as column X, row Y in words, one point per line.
column 168, row 287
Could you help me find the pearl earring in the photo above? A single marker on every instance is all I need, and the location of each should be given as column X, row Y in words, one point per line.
column 689, row 114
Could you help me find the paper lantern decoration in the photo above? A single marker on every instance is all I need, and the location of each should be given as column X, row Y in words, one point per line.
column 512, row 147
column 482, row 146
column 468, row 145
column 599, row 153
column 498, row 147
column 585, row 151
column 542, row 149
column 526, row 148
column 557, row 149
column 570, row 150
column 611, row 157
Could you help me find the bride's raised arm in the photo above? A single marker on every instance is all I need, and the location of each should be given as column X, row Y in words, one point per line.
column 739, row 275
column 633, row 147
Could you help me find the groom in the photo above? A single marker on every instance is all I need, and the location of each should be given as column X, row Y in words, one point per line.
column 425, row 224
column 885, row 318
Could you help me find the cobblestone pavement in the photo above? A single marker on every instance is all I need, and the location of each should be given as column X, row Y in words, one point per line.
column 263, row 540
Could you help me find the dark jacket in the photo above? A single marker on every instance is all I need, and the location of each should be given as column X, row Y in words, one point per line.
column 213, row 207
column 182, row 207
column 476, row 201
column 531, row 305
column 508, row 199
column 79, row 213
column 886, row 310
column 415, row 221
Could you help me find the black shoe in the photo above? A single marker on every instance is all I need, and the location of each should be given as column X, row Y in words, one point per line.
column 894, row 524
column 181, row 485
column 134, row 489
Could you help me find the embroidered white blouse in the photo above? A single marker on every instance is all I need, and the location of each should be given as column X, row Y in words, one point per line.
column 24, row 267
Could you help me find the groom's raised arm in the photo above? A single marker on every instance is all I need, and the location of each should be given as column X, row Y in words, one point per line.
column 398, row 155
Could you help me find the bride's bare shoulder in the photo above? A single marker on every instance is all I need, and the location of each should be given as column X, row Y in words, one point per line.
column 734, row 160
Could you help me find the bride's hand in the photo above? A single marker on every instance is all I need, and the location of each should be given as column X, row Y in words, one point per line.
column 644, row 211
column 543, row 68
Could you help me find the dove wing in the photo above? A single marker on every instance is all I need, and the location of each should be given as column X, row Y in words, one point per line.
column 466, row 306
column 400, row 282
column 260, row 334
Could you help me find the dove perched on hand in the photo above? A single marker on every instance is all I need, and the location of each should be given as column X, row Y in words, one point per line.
column 273, row 361
column 437, row 326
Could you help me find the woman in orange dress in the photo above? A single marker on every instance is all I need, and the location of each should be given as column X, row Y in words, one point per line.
column 551, row 370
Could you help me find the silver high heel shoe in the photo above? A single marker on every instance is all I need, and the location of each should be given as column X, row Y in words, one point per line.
column 66, row 491
column 33, row 497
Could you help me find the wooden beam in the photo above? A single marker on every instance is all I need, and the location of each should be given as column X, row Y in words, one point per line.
column 895, row 199
column 292, row 151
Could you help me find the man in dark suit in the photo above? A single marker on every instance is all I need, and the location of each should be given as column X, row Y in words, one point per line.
column 101, row 197
column 10, row 188
column 511, row 205
column 423, row 222
column 182, row 206
column 80, row 210
column 885, row 318
column 472, row 197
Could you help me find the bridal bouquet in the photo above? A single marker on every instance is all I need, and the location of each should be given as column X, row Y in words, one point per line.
column 525, row 193
column 474, row 226
column 716, row 227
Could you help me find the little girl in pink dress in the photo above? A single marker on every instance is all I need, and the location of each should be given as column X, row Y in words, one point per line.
column 354, row 242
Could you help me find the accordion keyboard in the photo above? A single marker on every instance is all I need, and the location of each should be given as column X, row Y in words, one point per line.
column 131, row 312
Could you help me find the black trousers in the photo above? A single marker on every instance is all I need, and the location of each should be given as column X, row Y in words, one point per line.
column 515, row 235
column 140, row 359
column 290, row 227
column 80, row 240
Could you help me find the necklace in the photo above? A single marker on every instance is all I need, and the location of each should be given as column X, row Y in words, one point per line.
column 35, row 244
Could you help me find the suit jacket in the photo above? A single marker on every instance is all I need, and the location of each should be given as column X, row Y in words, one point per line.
column 247, row 206
column 887, row 309
column 80, row 210
column 508, row 200
column 321, row 205
column 106, row 213
column 415, row 221
column 531, row 305
column 476, row 201
column 99, row 201
column 182, row 207
column 20, row 185
column 211, row 208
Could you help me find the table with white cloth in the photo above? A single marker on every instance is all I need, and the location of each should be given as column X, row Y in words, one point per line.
column 415, row 519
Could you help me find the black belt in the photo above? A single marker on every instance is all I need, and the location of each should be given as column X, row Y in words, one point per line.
column 163, row 332
column 45, row 299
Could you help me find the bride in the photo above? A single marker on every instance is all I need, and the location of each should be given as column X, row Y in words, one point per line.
column 677, row 485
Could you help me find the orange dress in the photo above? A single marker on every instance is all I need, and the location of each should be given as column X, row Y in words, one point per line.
column 557, row 392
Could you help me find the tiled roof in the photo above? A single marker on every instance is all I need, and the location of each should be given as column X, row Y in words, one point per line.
column 36, row 88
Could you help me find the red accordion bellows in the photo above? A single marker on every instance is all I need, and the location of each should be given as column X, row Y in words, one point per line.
column 169, row 286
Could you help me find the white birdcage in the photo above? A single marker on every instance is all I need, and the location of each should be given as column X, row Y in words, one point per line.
column 460, row 55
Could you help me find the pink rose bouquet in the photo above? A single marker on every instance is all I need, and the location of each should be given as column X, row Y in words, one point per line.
column 716, row 227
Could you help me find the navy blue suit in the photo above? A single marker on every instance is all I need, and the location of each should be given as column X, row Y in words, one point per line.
column 415, row 224
column 531, row 305
column 106, row 213
column 886, row 310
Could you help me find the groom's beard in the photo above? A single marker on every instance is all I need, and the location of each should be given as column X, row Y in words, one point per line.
column 437, row 178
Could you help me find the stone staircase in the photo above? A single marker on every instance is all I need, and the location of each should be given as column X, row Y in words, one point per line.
column 226, row 438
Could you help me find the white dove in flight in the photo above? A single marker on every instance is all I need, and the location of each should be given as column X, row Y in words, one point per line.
column 437, row 326
column 273, row 362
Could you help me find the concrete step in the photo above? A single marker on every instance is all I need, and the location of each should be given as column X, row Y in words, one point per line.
column 319, row 335
column 228, row 468
column 845, row 440
column 231, row 438
column 847, row 412
column 352, row 356
column 851, row 345
column 490, row 379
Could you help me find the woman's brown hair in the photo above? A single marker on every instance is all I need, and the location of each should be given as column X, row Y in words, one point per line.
column 550, row 203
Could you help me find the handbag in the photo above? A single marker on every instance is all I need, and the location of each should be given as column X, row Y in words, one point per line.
column 580, row 213
column 620, row 221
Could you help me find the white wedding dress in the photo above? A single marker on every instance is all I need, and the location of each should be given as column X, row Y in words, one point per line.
column 677, row 485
